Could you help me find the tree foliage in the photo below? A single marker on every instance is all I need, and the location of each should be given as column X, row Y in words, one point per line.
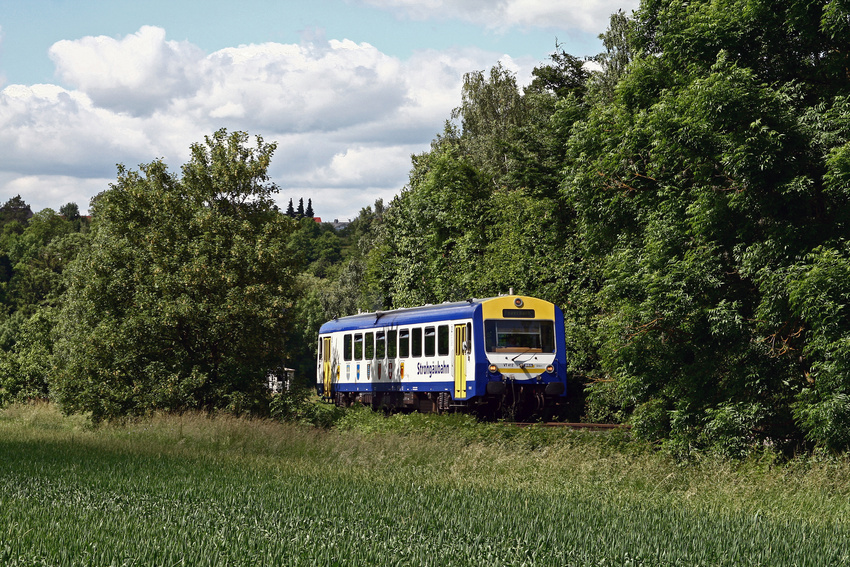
column 34, row 253
column 700, row 187
column 687, row 202
column 183, row 299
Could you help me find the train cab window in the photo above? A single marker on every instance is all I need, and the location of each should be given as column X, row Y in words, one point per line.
column 443, row 340
column 369, row 346
column 358, row 346
column 519, row 336
column 392, row 337
column 404, row 343
column 417, row 342
column 430, row 341
column 380, row 345
column 346, row 347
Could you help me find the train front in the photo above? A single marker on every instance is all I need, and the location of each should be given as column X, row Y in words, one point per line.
column 524, row 345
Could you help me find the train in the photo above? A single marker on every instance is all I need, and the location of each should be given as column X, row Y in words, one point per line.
column 502, row 356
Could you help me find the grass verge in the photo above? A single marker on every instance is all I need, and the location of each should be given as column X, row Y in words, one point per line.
column 404, row 490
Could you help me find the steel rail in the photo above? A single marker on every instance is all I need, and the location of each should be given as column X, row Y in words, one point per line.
column 570, row 425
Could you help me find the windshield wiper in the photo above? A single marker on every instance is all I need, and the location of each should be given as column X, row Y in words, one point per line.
column 526, row 351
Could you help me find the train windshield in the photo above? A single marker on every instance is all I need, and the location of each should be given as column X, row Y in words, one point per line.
column 519, row 336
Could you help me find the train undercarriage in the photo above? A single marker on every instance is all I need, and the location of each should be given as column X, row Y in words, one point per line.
column 511, row 402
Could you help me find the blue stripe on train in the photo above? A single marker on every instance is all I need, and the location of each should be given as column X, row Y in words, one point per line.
column 394, row 386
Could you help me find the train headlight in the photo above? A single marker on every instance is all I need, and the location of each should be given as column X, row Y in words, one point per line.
column 550, row 369
column 493, row 369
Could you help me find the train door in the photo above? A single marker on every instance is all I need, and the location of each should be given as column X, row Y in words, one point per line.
column 460, row 362
column 326, row 365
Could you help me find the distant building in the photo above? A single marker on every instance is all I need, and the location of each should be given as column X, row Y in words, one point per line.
column 340, row 225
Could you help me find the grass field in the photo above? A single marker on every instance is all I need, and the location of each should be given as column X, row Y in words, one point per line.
column 407, row 490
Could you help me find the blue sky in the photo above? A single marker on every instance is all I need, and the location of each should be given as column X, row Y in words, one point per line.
column 348, row 88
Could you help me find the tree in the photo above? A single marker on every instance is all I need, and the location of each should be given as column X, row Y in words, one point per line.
column 434, row 231
column 490, row 112
column 15, row 210
column 34, row 282
column 309, row 211
column 565, row 75
column 300, row 212
column 70, row 211
column 482, row 211
column 700, row 186
column 614, row 61
column 183, row 298
column 40, row 255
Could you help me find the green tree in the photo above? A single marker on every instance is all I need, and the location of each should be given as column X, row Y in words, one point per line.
column 698, row 187
column 337, row 281
column 819, row 295
column 183, row 299
column 70, row 211
column 26, row 367
column 15, row 210
column 565, row 75
column 316, row 246
column 615, row 60
column 490, row 112
column 37, row 258
column 435, row 230
column 40, row 255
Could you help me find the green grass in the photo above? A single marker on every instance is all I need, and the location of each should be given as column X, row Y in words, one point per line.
column 405, row 490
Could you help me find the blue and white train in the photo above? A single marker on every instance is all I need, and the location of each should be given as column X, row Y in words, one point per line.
column 503, row 353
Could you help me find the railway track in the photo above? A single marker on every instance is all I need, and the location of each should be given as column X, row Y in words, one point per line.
column 571, row 425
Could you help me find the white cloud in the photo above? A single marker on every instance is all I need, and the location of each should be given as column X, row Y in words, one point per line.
column 52, row 191
column 363, row 167
column 295, row 88
column 585, row 15
column 134, row 74
column 47, row 129
column 346, row 116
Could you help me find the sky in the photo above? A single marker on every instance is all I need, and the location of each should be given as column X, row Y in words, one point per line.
column 348, row 89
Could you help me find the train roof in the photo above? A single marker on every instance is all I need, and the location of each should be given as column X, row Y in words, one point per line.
column 410, row 316
column 406, row 316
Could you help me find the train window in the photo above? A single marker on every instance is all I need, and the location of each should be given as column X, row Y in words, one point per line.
column 417, row 342
column 430, row 341
column 380, row 345
column 358, row 346
column 404, row 343
column 443, row 340
column 369, row 346
column 346, row 347
column 392, row 336
column 519, row 336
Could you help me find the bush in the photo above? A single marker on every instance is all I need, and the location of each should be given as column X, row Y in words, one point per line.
column 302, row 406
